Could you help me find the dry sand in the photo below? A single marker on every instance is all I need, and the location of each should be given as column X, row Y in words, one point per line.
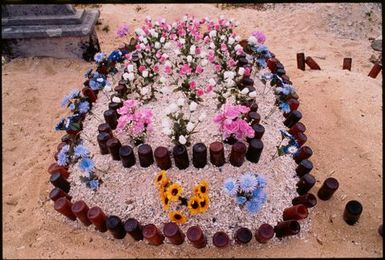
column 342, row 111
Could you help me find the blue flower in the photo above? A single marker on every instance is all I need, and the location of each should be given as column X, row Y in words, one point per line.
column 81, row 151
column 284, row 106
column 62, row 157
column 248, row 182
column 240, row 200
column 230, row 187
column 93, row 85
column 259, row 194
column 86, row 165
column 72, row 107
column 88, row 73
column 263, row 49
column 290, row 149
column 93, row 184
column 115, row 55
column 268, row 76
column 261, row 181
column 67, row 99
column 253, row 206
column 99, row 57
column 84, row 107
column 262, row 62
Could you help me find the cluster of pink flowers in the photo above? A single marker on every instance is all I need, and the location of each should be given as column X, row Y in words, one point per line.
column 260, row 36
column 231, row 123
column 134, row 121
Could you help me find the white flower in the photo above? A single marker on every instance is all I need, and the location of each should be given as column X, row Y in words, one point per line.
column 222, row 17
column 212, row 33
column 245, row 91
column 174, row 24
column 231, row 40
column 177, row 51
column 162, row 79
column 207, row 19
column 204, row 62
column 212, row 82
column 184, row 18
column 166, row 90
column 237, row 47
column 173, row 108
column 157, row 45
column 116, row 100
column 157, row 23
column 145, row 73
column 148, row 17
column 142, row 46
column 100, row 80
column 140, row 31
column 182, row 139
column 131, row 76
column 229, row 83
column 167, row 131
column 252, row 40
column 125, row 76
column 189, row 58
column 148, row 61
column 145, row 41
column 253, row 94
column 190, row 126
column 229, row 75
column 241, row 71
column 192, row 49
column 223, row 37
column 130, row 68
column 182, row 40
column 167, row 45
column 165, row 123
column 144, row 91
column 108, row 88
column 162, row 39
column 168, row 63
column 212, row 45
column 237, row 38
column 180, row 102
column 202, row 117
column 193, row 106
column 292, row 149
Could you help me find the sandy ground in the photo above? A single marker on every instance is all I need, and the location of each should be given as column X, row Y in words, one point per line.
column 342, row 111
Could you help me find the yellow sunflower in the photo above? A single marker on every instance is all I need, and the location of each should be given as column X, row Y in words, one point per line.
column 174, row 191
column 160, row 178
column 177, row 217
column 203, row 188
column 165, row 201
column 196, row 190
column 203, row 204
column 193, row 205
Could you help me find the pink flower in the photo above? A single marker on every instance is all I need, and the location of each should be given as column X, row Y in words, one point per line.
column 242, row 109
column 197, row 37
column 209, row 88
column 232, row 62
column 247, row 72
column 261, row 38
column 156, row 68
column 239, row 51
column 223, row 47
column 231, row 128
column 173, row 36
column 231, row 112
column 167, row 69
column 206, row 39
column 137, row 47
column 162, row 59
column 141, row 68
column 185, row 70
column 158, row 54
column 197, row 50
column 218, row 67
column 192, row 85
column 128, row 56
column 200, row 92
column 179, row 45
column 198, row 69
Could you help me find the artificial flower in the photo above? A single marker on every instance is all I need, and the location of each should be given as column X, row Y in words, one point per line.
column 177, row 217
column 174, row 191
column 194, row 205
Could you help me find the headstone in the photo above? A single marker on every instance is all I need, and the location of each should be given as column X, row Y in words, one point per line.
column 53, row 30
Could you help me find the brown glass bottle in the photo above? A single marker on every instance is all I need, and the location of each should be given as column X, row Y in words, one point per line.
column 259, row 130
column 297, row 128
column 57, row 193
column 304, row 167
column 301, row 139
column 305, row 152
column 296, row 212
column 63, row 206
column 59, row 181
column 87, row 92
column 115, row 226
column 105, row 128
column 134, row 228
column 152, row 234
column 111, row 118
column 173, row 233
column 308, row 200
column 127, row 156
column 217, row 154
column 102, row 141
column 80, row 210
column 121, row 90
column 237, row 155
column 352, row 213
column 180, row 156
column 98, row 218
column 196, row 237
column 328, row 188
column 145, row 154
column 264, row 233
column 287, row 228
column 221, row 239
column 254, row 150
column 243, row 235
column 293, row 103
column 292, row 118
column 113, row 145
column 162, row 158
column 253, row 118
column 199, row 155
column 305, row 184
column 54, row 167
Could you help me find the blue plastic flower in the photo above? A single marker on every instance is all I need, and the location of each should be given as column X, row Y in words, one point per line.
column 67, row 99
column 115, row 55
column 86, row 165
column 81, row 151
column 84, row 107
column 268, row 76
column 240, row 200
column 93, row 184
column 248, row 182
column 284, row 106
column 290, row 149
column 72, row 107
column 253, row 206
column 230, row 187
column 62, row 157
column 261, row 181
column 259, row 194
column 99, row 57
column 262, row 62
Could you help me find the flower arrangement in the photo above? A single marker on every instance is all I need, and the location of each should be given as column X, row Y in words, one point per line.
column 170, row 192
column 181, row 128
column 290, row 147
column 248, row 191
column 106, row 64
column 71, row 124
column 232, row 122
column 76, row 103
column 134, row 121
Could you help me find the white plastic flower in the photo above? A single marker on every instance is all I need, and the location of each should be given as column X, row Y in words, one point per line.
column 145, row 73
column 202, row 117
column 162, row 79
column 231, row 40
column 130, row 68
column 157, row 45
column 237, row 38
column 182, row 40
column 116, row 100
column 241, row 71
column 203, row 54
column 212, row 82
column 190, row 126
column 229, row 83
column 245, row 91
column 145, row 41
column 167, row 45
column 228, row 75
column 252, row 40
column 144, row 91
column 180, row 102
column 162, row 39
column 131, row 76
column 177, row 51
column 193, row 106
column 108, row 88
column 223, row 37
column 167, row 131
column 142, row 46
column 237, row 47
column 253, row 94
column 204, row 62
column 189, row 58
column 173, row 108
column 212, row 45
column 184, row 18
column 182, row 139
column 212, row 33
column 192, row 49
column 292, row 149
column 125, row 76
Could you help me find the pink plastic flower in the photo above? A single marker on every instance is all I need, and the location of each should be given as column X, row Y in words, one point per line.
column 200, row 92
column 223, row 47
column 192, row 85
column 167, row 69
column 209, row 88
column 217, row 67
column 156, row 68
column 261, row 38
column 247, row 72
column 198, row 69
column 185, row 69
column 141, row 68
column 232, row 62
